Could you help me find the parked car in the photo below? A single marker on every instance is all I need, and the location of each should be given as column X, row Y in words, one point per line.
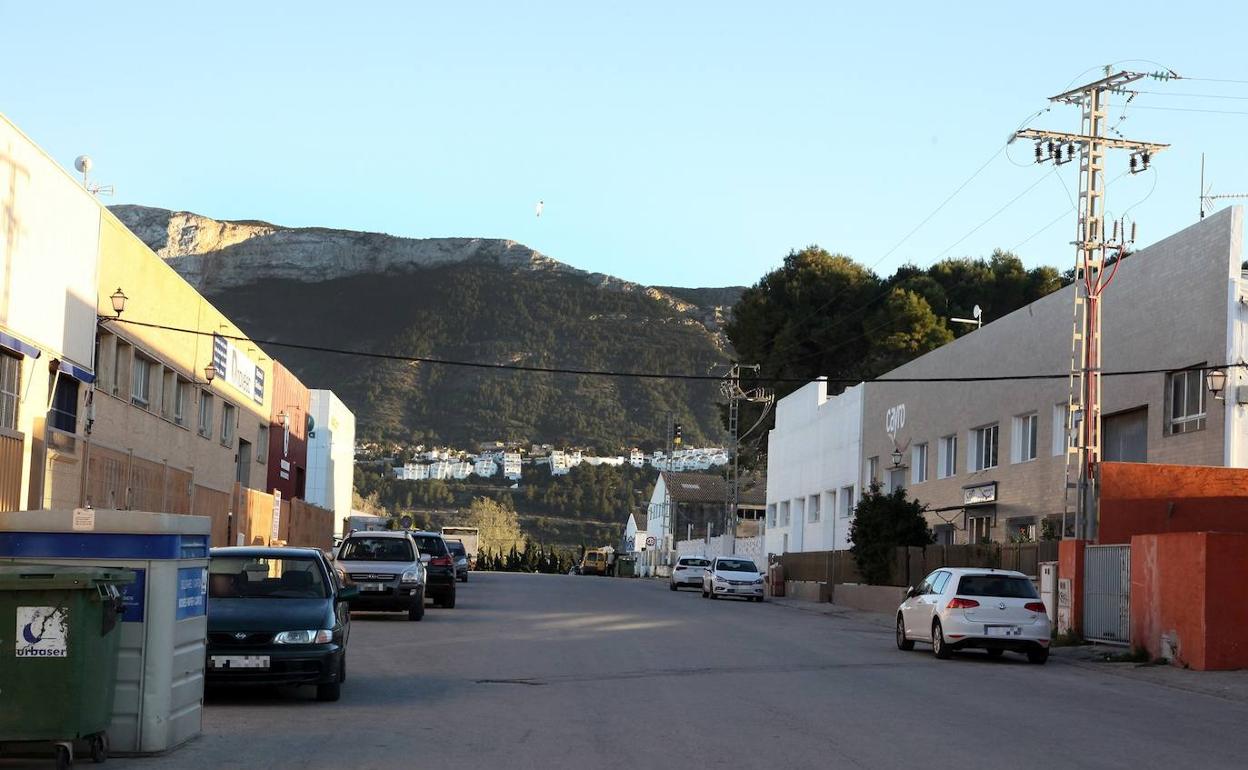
column 277, row 616
column 688, row 572
column 961, row 608
column 732, row 576
column 439, row 568
column 387, row 569
column 460, row 555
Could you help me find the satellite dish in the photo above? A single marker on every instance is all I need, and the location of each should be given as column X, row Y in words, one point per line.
column 82, row 163
column 977, row 312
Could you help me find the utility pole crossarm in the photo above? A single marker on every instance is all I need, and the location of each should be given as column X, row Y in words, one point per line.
column 1063, row 137
column 1110, row 83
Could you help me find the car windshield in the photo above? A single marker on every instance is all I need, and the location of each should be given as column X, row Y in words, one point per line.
column 456, row 547
column 1002, row 586
column 431, row 544
column 695, row 562
column 736, row 565
column 265, row 577
column 376, row 549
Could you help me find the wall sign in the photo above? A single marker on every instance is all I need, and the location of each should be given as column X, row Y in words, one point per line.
column 980, row 494
column 192, row 592
column 42, row 632
column 275, row 531
column 236, row 368
column 134, row 597
column 894, row 421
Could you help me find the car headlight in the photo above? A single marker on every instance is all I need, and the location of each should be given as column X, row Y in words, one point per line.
column 311, row 636
column 758, row 582
column 719, row 579
column 410, row 576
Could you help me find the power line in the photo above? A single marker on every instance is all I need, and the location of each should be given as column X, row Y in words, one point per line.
column 994, row 215
column 1190, row 95
column 1188, row 109
column 653, row 375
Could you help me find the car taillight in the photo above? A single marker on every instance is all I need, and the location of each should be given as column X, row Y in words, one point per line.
column 961, row 604
column 441, row 561
column 1035, row 606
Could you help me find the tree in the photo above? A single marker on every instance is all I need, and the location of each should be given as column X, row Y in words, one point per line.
column 882, row 523
column 499, row 526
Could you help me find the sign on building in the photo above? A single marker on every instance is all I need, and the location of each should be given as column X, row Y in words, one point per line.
column 235, row 367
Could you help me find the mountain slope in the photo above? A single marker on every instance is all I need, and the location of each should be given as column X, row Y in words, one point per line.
column 486, row 300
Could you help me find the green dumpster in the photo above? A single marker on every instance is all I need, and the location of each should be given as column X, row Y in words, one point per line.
column 58, row 655
column 626, row 566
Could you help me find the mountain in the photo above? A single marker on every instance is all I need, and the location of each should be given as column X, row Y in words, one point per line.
column 467, row 299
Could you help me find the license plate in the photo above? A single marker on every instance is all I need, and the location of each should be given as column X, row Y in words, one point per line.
column 373, row 587
column 240, row 661
column 1003, row 630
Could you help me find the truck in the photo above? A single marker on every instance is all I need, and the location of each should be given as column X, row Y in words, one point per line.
column 598, row 561
column 469, row 536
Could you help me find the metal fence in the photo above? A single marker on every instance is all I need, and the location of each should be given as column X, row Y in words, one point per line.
column 1107, row 593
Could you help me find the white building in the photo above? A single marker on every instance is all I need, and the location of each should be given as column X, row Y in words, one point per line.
column 511, row 465
column 813, row 466
column 637, row 458
column 485, row 467
column 635, row 533
column 558, row 463
column 331, row 443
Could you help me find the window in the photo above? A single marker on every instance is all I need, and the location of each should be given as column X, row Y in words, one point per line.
column 10, row 387
column 984, row 447
column 846, row 500
column 943, row 534
column 784, row 513
column 997, row 586
column 205, row 414
column 799, row 509
column 106, row 362
column 141, row 381
column 896, row 479
column 873, row 469
column 942, row 579
column 980, row 528
column 181, row 390
column 64, row 412
column 123, row 354
column 1061, row 429
column 228, row 421
column 1186, row 392
column 947, row 457
column 812, row 509
column 262, row 444
column 918, row 464
column 168, row 385
column 771, row 514
column 1025, row 428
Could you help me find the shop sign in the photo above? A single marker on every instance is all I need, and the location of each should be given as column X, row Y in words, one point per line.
column 980, row 494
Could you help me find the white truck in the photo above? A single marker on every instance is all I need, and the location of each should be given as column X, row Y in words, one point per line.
column 469, row 536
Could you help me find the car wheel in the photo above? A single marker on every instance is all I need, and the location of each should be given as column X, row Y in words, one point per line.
column 672, row 586
column 64, row 758
column 939, row 647
column 705, row 594
column 342, row 669
column 994, row 652
column 448, row 599
column 902, row 642
column 1038, row 657
column 328, row 693
column 417, row 610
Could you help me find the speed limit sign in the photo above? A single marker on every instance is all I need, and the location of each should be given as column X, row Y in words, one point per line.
column 650, row 541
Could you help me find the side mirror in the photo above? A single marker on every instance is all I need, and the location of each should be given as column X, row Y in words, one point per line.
column 424, row 558
column 347, row 593
column 910, row 592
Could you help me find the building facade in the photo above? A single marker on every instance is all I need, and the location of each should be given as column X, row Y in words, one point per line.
column 813, row 459
column 331, row 453
column 289, row 423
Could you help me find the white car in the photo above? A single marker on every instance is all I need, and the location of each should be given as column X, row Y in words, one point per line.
column 732, row 576
column 963, row 608
column 688, row 572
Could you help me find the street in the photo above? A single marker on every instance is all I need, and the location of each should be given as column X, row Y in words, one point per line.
column 549, row 671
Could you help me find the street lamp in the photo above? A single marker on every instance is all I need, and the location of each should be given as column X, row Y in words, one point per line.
column 1216, row 380
column 119, row 301
column 210, row 372
column 896, row 457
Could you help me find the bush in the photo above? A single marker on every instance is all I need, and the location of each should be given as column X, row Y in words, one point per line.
column 882, row 523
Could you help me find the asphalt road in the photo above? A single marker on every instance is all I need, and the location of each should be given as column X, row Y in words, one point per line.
column 552, row 671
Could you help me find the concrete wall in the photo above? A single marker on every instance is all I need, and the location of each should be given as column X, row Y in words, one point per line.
column 813, row 455
column 331, row 453
column 1169, row 307
column 1189, row 598
column 1139, row 499
column 49, row 239
column 860, row 596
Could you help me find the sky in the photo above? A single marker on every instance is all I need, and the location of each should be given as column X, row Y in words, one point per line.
column 687, row 144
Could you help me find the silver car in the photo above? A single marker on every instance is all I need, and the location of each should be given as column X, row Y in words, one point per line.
column 732, row 576
column 387, row 570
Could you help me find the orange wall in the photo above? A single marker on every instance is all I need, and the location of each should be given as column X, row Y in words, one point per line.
column 1191, row 589
column 1149, row 498
column 1070, row 562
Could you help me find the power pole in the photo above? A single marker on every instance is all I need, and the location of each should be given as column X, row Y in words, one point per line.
column 730, row 386
column 1083, row 450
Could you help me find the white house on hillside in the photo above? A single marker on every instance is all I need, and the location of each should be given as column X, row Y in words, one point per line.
column 813, row 467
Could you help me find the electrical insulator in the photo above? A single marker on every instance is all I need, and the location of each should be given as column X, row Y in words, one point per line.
column 1133, row 159
column 1115, row 231
column 1132, row 232
column 1146, row 157
column 1050, row 148
column 1037, row 152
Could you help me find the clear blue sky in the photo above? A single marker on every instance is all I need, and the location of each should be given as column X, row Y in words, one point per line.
column 673, row 143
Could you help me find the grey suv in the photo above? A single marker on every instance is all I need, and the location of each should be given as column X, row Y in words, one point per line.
column 387, row 569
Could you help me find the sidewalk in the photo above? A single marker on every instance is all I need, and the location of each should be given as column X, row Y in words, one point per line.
column 1229, row 685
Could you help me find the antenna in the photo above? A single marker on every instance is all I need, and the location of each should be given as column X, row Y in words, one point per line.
column 1206, row 198
column 83, row 164
column 977, row 321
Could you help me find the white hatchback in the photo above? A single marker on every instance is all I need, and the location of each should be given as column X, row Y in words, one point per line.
column 688, row 572
column 732, row 576
column 963, row 608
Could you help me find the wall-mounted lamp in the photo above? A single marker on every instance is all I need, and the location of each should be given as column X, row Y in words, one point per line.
column 210, row 372
column 1216, row 380
column 897, row 458
column 119, row 301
